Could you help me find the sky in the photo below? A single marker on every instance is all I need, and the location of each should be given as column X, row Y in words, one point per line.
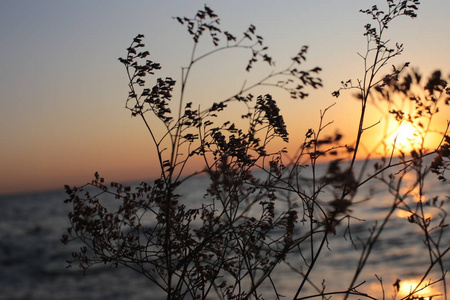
column 63, row 91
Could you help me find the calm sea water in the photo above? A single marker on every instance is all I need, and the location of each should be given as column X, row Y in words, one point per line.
column 33, row 260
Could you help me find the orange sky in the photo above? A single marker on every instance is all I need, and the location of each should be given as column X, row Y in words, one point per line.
column 63, row 90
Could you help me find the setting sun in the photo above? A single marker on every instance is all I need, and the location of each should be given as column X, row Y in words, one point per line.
column 405, row 137
column 225, row 150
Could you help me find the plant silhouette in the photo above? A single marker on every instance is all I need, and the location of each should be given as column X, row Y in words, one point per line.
column 256, row 213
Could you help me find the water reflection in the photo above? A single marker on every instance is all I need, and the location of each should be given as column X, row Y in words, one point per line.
column 403, row 289
column 404, row 214
column 424, row 291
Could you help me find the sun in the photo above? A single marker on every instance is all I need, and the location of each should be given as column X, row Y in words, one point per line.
column 406, row 137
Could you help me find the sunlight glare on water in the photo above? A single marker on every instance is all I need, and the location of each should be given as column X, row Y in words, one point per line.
column 425, row 291
column 33, row 260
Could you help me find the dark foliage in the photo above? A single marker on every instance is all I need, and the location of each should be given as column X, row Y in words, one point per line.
column 257, row 211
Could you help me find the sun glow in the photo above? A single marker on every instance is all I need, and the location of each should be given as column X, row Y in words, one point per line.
column 406, row 137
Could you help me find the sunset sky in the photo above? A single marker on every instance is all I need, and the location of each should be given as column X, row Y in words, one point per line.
column 63, row 90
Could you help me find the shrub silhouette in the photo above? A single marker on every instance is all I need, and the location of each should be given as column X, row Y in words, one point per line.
column 256, row 213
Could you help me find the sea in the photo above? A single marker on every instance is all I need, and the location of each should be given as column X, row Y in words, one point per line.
column 33, row 261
